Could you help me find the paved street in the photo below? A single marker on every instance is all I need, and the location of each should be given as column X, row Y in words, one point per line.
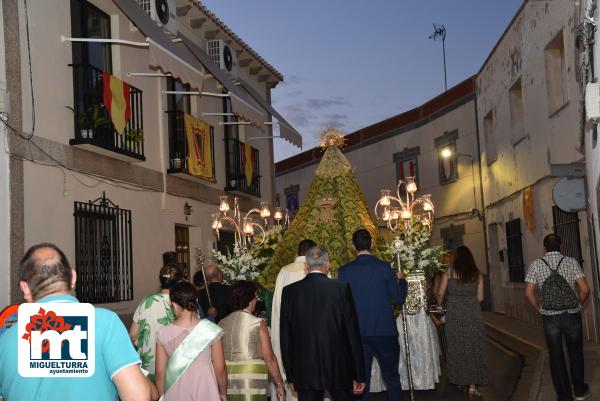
column 505, row 367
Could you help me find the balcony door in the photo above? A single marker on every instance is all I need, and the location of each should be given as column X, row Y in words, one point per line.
column 88, row 21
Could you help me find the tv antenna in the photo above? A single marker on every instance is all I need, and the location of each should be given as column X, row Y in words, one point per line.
column 440, row 32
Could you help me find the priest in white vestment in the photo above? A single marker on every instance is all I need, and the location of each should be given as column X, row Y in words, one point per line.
column 287, row 275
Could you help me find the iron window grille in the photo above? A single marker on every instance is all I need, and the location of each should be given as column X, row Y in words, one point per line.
column 407, row 165
column 566, row 226
column 234, row 157
column 236, row 169
column 92, row 120
column 516, row 266
column 452, row 236
column 90, row 59
column 103, row 252
column 178, row 145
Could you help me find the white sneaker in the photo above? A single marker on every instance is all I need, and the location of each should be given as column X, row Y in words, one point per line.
column 585, row 396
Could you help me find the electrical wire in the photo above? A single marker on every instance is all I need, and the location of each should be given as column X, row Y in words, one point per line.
column 30, row 135
column 56, row 163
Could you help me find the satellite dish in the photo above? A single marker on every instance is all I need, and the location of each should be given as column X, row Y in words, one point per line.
column 227, row 58
column 162, row 11
column 569, row 194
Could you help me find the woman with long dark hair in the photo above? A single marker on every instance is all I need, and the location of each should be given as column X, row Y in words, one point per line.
column 465, row 334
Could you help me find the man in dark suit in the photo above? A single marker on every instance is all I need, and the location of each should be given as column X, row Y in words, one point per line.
column 374, row 285
column 217, row 307
column 320, row 338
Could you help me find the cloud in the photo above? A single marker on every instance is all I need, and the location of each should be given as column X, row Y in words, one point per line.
column 295, row 93
column 319, row 104
column 291, row 80
column 297, row 115
column 335, row 116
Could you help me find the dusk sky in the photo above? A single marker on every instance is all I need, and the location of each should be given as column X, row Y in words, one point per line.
column 356, row 62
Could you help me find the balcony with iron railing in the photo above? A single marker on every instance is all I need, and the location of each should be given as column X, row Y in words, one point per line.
column 242, row 167
column 179, row 151
column 94, row 130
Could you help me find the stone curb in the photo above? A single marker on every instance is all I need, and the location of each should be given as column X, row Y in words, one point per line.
column 533, row 367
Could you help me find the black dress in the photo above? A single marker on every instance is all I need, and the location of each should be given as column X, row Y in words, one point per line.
column 465, row 336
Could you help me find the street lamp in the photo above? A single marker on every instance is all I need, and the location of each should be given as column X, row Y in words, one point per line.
column 447, row 153
column 399, row 213
column 245, row 226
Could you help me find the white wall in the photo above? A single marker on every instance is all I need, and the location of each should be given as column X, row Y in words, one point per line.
column 49, row 205
column 592, row 161
column 551, row 136
column 50, row 192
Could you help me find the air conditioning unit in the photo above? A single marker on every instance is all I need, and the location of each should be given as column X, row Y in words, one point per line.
column 223, row 55
column 163, row 12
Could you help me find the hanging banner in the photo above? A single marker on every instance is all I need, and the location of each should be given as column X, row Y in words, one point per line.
column 247, row 152
column 528, row 208
column 200, row 148
column 116, row 100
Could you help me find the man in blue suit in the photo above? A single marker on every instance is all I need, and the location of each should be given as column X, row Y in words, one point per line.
column 374, row 285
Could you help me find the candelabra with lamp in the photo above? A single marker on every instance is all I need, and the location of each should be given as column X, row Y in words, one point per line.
column 400, row 211
column 245, row 225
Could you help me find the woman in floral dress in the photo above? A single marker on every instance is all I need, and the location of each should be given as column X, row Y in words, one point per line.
column 153, row 312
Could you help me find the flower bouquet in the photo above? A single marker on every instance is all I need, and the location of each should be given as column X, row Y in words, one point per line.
column 240, row 264
column 411, row 254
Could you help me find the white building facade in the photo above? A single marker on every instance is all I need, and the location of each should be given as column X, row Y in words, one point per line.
column 115, row 202
column 589, row 59
column 528, row 107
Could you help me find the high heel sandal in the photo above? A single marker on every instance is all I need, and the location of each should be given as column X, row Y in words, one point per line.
column 474, row 392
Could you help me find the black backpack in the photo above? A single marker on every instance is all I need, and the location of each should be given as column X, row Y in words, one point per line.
column 557, row 294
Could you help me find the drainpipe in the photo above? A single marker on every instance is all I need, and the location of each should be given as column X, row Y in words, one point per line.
column 487, row 304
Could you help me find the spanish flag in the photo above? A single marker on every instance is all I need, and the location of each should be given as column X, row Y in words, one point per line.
column 248, row 161
column 116, row 100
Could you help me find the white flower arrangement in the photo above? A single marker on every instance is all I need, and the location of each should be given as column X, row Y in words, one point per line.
column 411, row 253
column 240, row 264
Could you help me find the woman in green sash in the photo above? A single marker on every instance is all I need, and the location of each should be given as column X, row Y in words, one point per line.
column 248, row 353
column 190, row 364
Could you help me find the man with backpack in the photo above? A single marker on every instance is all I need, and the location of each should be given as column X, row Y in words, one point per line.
column 563, row 289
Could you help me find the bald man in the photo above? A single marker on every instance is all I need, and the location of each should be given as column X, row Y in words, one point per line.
column 47, row 277
column 218, row 307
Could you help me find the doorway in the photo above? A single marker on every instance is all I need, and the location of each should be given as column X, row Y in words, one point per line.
column 182, row 249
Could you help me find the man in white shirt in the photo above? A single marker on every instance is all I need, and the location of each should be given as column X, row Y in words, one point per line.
column 287, row 275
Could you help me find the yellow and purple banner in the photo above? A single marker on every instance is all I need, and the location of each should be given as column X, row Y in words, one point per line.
column 199, row 141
